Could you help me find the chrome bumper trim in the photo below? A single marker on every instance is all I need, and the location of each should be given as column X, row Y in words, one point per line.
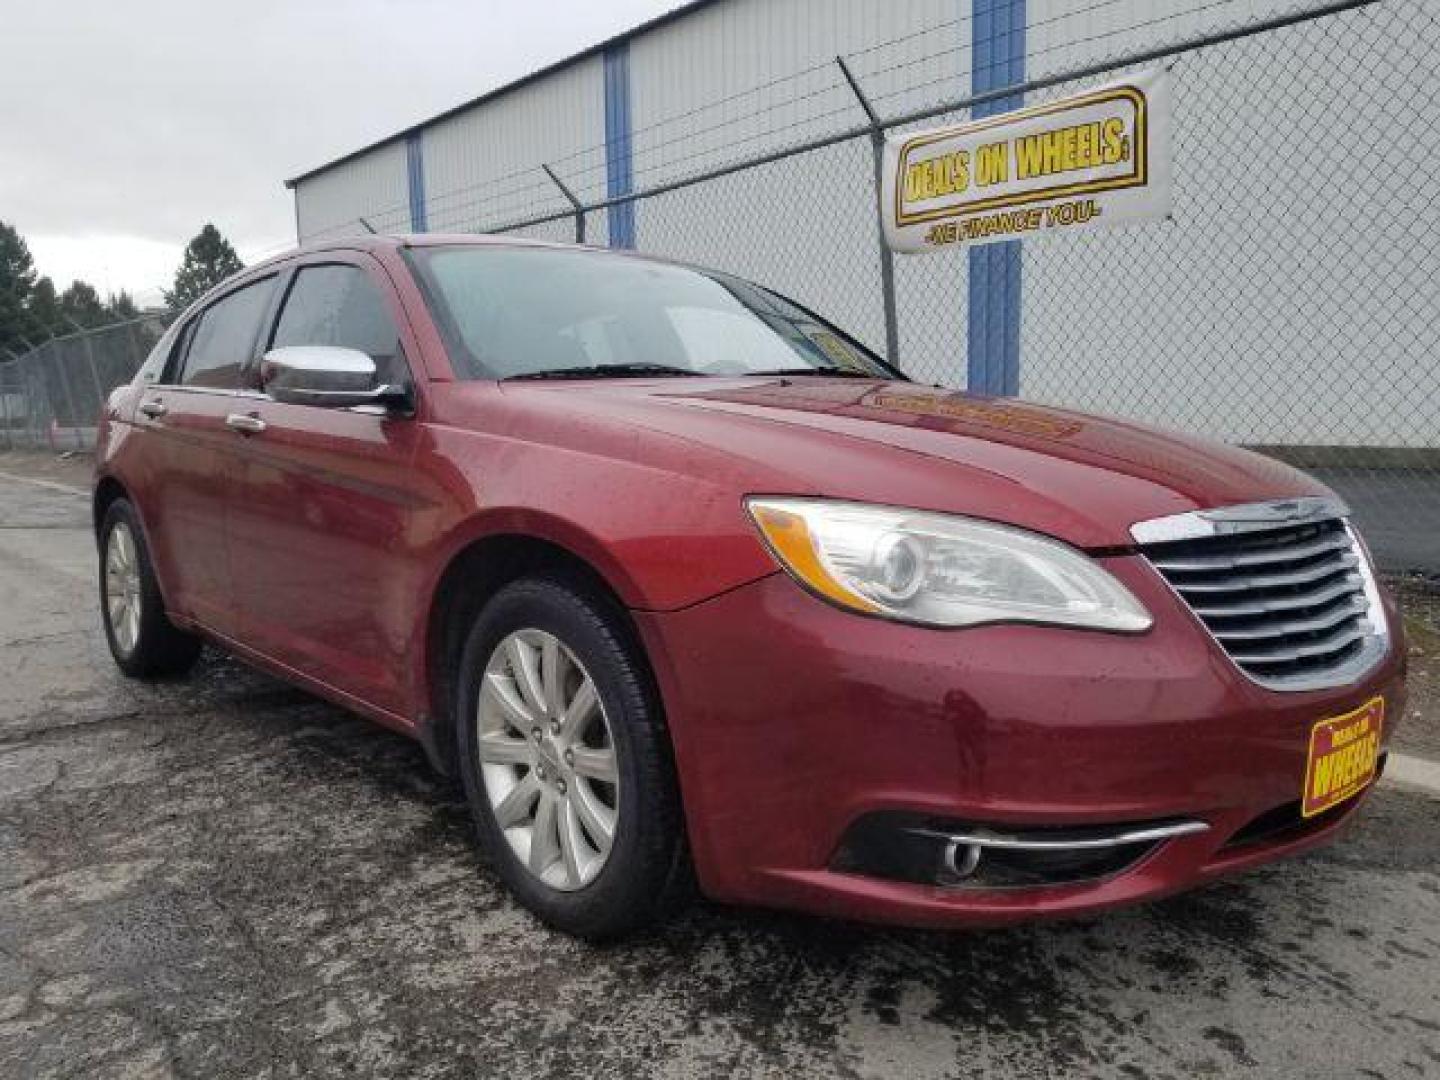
column 989, row 838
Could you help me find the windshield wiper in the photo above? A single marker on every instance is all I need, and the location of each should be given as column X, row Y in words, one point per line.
column 602, row 371
column 831, row 372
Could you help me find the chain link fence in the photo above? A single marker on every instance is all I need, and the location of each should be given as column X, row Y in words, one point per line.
column 1289, row 304
column 52, row 395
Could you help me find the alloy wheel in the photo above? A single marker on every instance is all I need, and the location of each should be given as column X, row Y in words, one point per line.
column 547, row 757
column 122, row 587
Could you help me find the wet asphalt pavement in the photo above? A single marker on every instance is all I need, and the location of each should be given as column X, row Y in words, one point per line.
column 224, row 877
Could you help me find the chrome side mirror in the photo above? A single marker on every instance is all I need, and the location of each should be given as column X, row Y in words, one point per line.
column 325, row 375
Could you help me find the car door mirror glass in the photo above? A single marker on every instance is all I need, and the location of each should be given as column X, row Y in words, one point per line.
column 325, row 375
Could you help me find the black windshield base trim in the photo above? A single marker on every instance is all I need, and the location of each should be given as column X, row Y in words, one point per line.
column 604, row 371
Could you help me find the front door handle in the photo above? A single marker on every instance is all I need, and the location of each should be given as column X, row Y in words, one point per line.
column 245, row 423
column 154, row 409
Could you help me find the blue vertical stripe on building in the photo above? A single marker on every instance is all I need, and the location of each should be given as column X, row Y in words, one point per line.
column 415, row 179
column 619, row 149
column 997, row 33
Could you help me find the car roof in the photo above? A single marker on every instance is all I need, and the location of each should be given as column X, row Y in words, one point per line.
column 397, row 241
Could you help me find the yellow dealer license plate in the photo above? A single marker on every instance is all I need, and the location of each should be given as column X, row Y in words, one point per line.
column 1344, row 751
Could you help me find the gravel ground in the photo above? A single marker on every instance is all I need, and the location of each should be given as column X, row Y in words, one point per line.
column 222, row 876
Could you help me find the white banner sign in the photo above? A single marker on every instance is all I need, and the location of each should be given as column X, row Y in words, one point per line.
column 1098, row 158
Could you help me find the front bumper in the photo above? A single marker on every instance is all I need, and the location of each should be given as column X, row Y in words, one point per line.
column 792, row 721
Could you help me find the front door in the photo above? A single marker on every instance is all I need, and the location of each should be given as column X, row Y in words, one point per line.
column 321, row 535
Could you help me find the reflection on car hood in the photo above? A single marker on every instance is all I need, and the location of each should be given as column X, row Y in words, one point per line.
column 1081, row 477
column 921, row 418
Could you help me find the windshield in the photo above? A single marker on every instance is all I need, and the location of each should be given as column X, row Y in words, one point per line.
column 531, row 312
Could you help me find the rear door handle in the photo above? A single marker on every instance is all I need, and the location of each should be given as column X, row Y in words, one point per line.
column 245, row 423
column 154, row 409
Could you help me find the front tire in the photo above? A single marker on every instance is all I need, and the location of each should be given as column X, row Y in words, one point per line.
column 566, row 761
column 143, row 641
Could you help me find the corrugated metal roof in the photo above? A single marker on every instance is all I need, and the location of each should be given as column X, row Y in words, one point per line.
column 659, row 20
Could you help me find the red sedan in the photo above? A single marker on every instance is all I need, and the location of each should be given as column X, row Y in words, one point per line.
column 687, row 584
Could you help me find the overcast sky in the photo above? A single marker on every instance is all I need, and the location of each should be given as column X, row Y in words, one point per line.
column 124, row 127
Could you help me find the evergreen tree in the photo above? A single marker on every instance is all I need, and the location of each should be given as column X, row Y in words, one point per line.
column 17, row 278
column 81, row 306
column 44, row 316
column 209, row 260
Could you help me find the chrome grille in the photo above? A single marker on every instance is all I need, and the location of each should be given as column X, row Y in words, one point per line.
column 1288, row 594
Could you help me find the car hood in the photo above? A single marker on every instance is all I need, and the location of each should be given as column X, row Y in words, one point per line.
column 1083, row 478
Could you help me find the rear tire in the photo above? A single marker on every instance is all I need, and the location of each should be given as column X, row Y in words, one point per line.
column 574, row 748
column 143, row 641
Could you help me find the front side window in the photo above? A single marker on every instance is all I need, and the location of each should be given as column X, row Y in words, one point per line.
column 218, row 343
column 517, row 312
column 339, row 305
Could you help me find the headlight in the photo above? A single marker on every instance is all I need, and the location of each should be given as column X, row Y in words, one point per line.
column 939, row 569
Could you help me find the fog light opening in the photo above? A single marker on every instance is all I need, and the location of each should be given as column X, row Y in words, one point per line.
column 960, row 862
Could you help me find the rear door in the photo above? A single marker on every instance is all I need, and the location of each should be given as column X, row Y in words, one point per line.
column 321, row 531
column 186, row 451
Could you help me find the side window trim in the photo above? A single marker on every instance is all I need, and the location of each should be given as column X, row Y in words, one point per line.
column 265, row 334
column 292, row 276
column 248, row 362
column 175, row 362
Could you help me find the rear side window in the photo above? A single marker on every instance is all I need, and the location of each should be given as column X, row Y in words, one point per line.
column 340, row 305
column 224, row 337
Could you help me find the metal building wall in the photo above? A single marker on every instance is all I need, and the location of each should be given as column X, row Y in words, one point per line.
column 373, row 185
column 482, row 166
column 743, row 77
column 1065, row 34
